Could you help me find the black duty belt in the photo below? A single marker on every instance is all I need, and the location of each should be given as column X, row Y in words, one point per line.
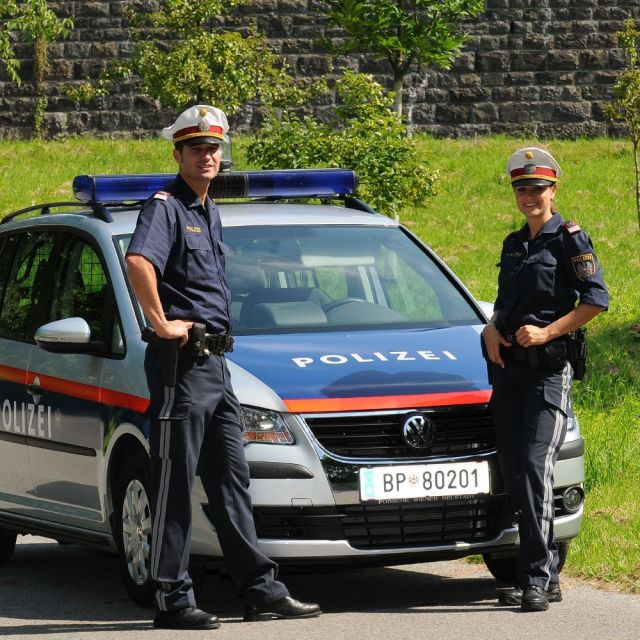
column 553, row 355
column 202, row 343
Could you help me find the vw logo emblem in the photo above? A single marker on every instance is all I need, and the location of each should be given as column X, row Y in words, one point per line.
column 418, row 432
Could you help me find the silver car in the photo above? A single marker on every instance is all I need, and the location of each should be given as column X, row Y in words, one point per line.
column 357, row 363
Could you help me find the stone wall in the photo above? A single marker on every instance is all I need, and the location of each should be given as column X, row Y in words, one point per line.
column 533, row 67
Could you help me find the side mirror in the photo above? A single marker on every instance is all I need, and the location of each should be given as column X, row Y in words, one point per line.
column 69, row 335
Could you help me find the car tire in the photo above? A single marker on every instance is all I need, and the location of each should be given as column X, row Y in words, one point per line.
column 132, row 528
column 505, row 569
column 7, row 544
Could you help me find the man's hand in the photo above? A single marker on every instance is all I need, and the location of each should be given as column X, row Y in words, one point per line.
column 174, row 330
column 492, row 341
column 530, row 336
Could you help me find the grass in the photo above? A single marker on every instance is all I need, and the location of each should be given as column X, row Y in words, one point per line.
column 465, row 224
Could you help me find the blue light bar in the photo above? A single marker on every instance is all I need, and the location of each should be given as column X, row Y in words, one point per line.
column 293, row 183
column 120, row 188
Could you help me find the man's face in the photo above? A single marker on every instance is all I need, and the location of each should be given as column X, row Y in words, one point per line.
column 198, row 162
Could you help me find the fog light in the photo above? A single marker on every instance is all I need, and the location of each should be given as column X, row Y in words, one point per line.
column 572, row 499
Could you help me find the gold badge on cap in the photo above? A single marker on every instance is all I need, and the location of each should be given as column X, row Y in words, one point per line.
column 528, row 155
column 203, row 125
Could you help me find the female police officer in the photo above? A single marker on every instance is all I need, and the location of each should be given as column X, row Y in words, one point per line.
column 545, row 269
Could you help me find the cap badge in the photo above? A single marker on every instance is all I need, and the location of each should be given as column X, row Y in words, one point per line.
column 528, row 155
column 529, row 168
column 202, row 112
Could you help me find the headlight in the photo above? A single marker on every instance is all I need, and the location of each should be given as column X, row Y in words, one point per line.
column 261, row 425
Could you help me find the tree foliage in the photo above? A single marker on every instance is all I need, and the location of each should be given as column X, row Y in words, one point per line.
column 182, row 59
column 367, row 137
column 33, row 22
column 625, row 107
column 402, row 32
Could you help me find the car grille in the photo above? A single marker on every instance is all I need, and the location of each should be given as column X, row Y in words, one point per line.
column 459, row 430
column 388, row 525
column 404, row 524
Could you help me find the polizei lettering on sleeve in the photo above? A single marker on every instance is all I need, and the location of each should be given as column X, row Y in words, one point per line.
column 376, row 356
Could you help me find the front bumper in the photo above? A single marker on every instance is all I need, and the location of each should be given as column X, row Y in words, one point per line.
column 315, row 515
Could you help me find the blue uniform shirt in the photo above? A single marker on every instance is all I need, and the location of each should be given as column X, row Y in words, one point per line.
column 541, row 280
column 183, row 240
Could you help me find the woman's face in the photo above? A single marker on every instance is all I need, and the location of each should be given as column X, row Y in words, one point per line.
column 535, row 201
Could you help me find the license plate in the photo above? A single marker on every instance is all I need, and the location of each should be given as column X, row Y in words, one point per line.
column 424, row 481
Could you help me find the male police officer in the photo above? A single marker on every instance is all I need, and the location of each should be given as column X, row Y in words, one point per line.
column 176, row 267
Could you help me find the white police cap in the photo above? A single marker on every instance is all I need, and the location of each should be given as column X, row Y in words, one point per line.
column 534, row 166
column 197, row 125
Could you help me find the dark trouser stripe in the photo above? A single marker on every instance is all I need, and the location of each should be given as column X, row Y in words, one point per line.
column 549, row 463
column 163, row 492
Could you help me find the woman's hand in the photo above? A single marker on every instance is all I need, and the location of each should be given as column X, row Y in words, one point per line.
column 530, row 336
column 492, row 341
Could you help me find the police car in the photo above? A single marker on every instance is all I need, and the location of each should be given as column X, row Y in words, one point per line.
column 356, row 360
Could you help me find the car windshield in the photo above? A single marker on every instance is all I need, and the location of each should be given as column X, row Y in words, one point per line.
column 323, row 278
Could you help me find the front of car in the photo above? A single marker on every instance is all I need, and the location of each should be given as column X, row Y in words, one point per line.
column 364, row 392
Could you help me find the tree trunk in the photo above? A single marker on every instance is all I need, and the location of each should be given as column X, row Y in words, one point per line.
column 635, row 160
column 40, row 59
column 397, row 101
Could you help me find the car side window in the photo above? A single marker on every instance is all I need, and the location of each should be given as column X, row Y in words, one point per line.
column 27, row 284
column 81, row 289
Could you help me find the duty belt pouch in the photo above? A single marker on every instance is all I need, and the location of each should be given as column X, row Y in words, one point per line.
column 197, row 336
column 555, row 354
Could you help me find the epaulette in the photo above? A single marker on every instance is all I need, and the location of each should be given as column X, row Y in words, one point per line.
column 571, row 227
column 161, row 195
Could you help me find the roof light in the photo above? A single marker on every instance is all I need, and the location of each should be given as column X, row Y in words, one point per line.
column 294, row 183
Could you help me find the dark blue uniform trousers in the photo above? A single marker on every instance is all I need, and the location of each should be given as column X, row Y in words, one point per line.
column 530, row 408
column 195, row 425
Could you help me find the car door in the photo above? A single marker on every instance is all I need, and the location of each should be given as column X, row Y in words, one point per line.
column 67, row 466
column 24, row 263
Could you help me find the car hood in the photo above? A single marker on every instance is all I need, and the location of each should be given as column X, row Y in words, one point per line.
column 368, row 370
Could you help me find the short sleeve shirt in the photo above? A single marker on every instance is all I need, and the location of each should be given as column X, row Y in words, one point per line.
column 182, row 238
column 542, row 279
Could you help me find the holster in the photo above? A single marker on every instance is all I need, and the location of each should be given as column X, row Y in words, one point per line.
column 167, row 351
column 577, row 348
column 485, row 355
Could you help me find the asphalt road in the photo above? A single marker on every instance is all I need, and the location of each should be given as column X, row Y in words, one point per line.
column 57, row 592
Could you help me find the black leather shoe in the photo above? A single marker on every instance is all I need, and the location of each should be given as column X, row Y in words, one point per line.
column 534, row 599
column 189, row 618
column 512, row 596
column 286, row 607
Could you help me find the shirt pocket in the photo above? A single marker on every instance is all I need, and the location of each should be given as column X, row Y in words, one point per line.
column 223, row 252
column 200, row 260
column 538, row 275
column 509, row 266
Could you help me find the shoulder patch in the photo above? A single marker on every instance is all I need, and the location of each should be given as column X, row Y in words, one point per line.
column 584, row 266
column 571, row 227
column 161, row 195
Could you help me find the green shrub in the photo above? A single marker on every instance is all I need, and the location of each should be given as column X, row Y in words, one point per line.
column 366, row 137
